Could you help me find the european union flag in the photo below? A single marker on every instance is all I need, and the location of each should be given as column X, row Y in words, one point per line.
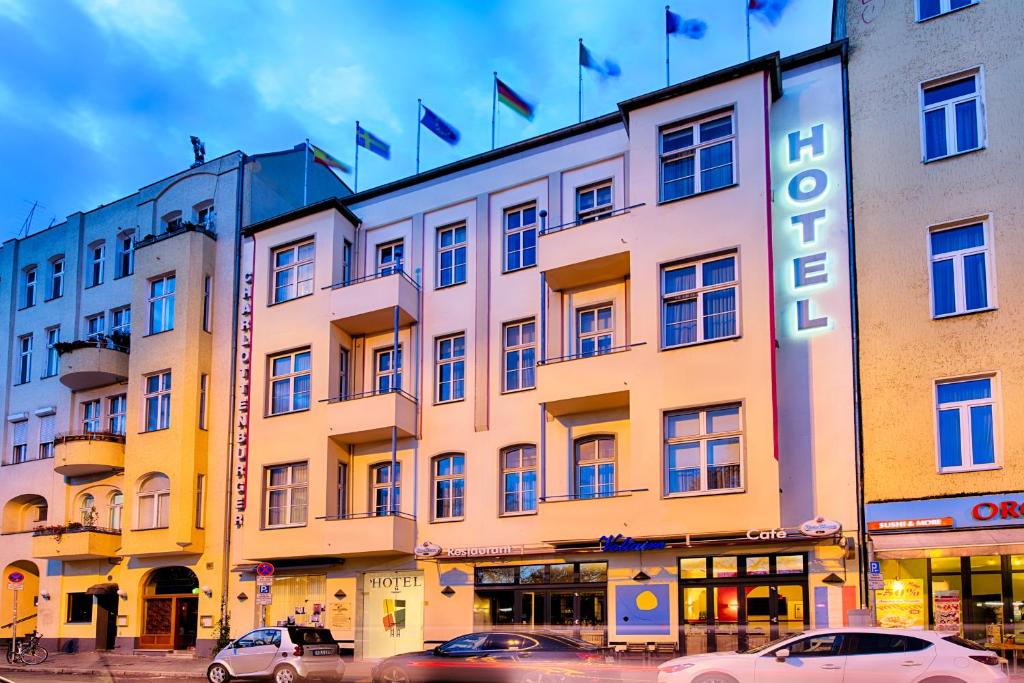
column 689, row 28
column 439, row 127
column 365, row 138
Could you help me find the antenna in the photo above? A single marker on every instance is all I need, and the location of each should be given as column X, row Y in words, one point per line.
column 26, row 227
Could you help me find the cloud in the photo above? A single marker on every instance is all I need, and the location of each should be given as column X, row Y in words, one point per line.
column 159, row 26
column 15, row 10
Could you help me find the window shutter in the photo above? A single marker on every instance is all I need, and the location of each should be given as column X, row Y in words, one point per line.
column 20, row 433
column 47, row 425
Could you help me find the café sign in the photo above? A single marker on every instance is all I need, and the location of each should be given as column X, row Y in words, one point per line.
column 624, row 544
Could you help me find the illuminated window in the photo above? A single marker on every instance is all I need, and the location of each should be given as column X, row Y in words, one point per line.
column 703, row 450
column 289, row 382
column 960, row 270
column 286, row 494
column 926, row 9
column 520, row 237
column 449, row 486
column 593, row 202
column 698, row 301
column 450, row 368
column 520, row 350
column 595, row 467
column 697, row 157
column 952, row 115
column 451, row 255
column 966, row 425
column 293, row 271
column 519, row 479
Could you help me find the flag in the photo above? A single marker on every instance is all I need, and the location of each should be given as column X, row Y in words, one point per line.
column 365, row 138
column 768, row 11
column 439, row 127
column 324, row 159
column 606, row 68
column 512, row 100
column 688, row 28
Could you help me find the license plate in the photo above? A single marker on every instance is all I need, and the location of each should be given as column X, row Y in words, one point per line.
column 322, row 651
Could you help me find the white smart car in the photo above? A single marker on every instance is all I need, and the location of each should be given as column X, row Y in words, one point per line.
column 285, row 654
column 845, row 655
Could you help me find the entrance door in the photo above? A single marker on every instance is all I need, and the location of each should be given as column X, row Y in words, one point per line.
column 739, row 615
column 186, row 620
column 106, row 621
column 158, row 623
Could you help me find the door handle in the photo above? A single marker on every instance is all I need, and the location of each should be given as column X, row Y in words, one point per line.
column 831, row 667
column 911, row 664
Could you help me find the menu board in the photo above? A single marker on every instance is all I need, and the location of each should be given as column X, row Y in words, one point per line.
column 901, row 604
column 948, row 611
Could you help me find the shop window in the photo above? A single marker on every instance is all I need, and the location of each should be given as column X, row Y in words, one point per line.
column 724, row 567
column 693, row 568
column 532, row 573
column 561, row 573
column 496, row 575
column 758, row 565
column 789, row 564
column 79, row 608
column 983, row 563
column 593, row 572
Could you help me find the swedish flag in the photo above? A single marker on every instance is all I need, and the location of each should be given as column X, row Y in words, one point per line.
column 365, row 138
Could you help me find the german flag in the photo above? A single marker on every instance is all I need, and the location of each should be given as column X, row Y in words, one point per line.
column 511, row 99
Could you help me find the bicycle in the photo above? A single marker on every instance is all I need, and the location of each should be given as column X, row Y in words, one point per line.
column 27, row 651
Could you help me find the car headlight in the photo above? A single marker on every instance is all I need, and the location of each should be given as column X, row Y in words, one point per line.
column 673, row 668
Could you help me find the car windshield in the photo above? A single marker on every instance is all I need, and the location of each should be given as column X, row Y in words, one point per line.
column 770, row 644
column 311, row 636
column 574, row 643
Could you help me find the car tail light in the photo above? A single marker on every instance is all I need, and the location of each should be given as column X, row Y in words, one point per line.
column 298, row 651
column 987, row 660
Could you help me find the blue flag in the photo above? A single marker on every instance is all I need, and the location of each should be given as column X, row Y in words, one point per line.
column 439, row 127
column 768, row 11
column 605, row 68
column 365, row 138
column 688, row 28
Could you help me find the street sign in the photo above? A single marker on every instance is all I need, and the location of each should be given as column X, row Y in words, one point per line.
column 874, row 567
column 16, row 586
column 263, row 589
column 264, row 580
column 264, row 569
column 263, row 599
column 15, row 577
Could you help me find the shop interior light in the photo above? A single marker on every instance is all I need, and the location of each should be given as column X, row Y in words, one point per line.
column 340, row 594
column 448, row 591
column 641, row 576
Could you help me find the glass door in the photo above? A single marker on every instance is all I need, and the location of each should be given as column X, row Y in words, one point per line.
column 725, row 626
column 760, row 625
column 531, row 609
column 695, row 636
column 789, row 610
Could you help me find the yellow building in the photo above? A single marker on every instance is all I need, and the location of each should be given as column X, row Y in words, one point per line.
column 934, row 95
column 594, row 381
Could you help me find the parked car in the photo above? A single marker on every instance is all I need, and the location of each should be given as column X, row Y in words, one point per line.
column 846, row 655
column 285, row 654
column 499, row 657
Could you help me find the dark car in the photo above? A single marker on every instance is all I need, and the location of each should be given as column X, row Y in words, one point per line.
column 498, row 657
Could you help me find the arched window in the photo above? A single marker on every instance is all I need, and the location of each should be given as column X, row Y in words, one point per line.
column 381, row 481
column 449, row 486
column 116, row 509
column 171, row 221
column 96, row 263
column 595, row 467
column 519, row 479
column 154, row 501
column 87, row 510
column 124, row 261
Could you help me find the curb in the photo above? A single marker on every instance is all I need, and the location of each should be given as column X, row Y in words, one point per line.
column 113, row 673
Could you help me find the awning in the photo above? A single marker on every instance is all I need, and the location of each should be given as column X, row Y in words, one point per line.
column 948, row 543
column 102, row 589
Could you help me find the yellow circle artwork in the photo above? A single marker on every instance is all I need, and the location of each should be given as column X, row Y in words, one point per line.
column 646, row 601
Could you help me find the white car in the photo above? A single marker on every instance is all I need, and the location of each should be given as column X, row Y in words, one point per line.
column 285, row 654
column 845, row 655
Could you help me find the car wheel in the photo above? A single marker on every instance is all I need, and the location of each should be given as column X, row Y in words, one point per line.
column 286, row 674
column 218, row 673
column 394, row 674
column 715, row 678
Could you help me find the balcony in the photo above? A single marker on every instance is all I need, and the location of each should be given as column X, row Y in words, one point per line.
column 76, row 455
column 579, row 254
column 369, row 417
column 89, row 364
column 367, row 305
column 582, row 384
column 203, row 228
column 359, row 534
column 75, row 542
column 179, row 539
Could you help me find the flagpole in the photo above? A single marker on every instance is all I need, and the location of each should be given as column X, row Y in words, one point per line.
column 419, row 114
column 305, row 172
column 668, row 79
column 746, row 4
column 578, row 59
column 494, row 107
column 355, row 182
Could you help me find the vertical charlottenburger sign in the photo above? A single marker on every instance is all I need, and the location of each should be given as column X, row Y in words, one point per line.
column 242, row 408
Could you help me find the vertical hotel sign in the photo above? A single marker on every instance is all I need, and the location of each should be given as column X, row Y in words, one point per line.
column 242, row 408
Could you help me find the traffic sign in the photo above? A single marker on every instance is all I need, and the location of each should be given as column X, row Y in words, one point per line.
column 263, row 599
column 15, row 577
column 874, row 567
column 264, row 569
column 16, row 586
column 263, row 589
column 264, row 580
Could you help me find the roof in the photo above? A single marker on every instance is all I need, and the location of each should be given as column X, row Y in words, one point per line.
column 308, row 210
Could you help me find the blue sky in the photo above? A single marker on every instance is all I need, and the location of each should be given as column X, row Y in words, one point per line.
column 99, row 97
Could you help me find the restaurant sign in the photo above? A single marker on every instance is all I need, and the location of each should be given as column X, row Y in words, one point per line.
column 958, row 512
column 624, row 544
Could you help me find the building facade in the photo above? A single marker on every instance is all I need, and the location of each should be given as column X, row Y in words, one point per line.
column 120, row 324
column 597, row 381
column 933, row 93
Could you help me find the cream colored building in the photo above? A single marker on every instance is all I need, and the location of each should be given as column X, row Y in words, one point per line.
column 116, row 357
column 935, row 92
column 625, row 384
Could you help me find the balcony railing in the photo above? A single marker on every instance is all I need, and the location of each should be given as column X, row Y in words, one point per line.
column 72, row 528
column 367, row 515
column 618, row 493
column 109, row 437
column 720, row 478
column 80, row 453
column 592, row 219
column 368, row 394
column 388, row 272
column 116, row 341
column 177, row 229
column 580, row 356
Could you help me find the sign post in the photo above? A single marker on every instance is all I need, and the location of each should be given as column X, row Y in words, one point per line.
column 15, row 582
column 264, row 581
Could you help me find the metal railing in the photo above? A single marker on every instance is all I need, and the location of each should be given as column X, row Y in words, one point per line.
column 153, row 238
column 368, row 515
column 576, row 222
column 367, row 394
column 110, row 437
column 373, row 276
column 579, row 356
column 101, row 341
column 617, row 493
column 73, row 528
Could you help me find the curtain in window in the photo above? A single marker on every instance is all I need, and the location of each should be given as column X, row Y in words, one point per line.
column 967, row 125
column 943, row 287
column 680, row 322
column 684, row 467
column 298, row 507
column 974, row 281
column 969, row 390
column 301, row 389
column 949, row 438
column 716, row 166
column 677, row 176
column 720, row 313
column 280, row 396
column 724, row 463
column 935, row 133
column 719, row 272
column 967, row 237
column 983, row 449
column 680, row 279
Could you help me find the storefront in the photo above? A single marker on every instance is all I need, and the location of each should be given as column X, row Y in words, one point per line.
column 954, row 564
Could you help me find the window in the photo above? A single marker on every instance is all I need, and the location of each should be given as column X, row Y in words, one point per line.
column 449, row 486
column 344, row 377
column 960, row 266
column 52, row 357
column 450, row 368
column 926, row 9
column 823, row 645
column 92, row 418
column 207, row 302
column 520, row 355
column 702, row 450
column 382, row 481
column 205, row 216
column 124, row 264
column 95, row 326
column 593, row 202
column 116, row 409
column 116, row 509
column 286, row 493
column 388, row 371
column 157, row 400
column 28, row 287
column 594, row 329
column 97, row 261
column 161, row 304
column 87, row 510
column 154, row 502
column 79, row 608
column 451, row 255
column 342, row 492
column 521, row 237
column 24, row 359
column 698, row 301
column 697, row 157
column 966, row 421
column 57, row 278
column 293, row 271
column 519, row 479
column 881, row 644
column 121, row 321
column 172, row 221
column 389, row 257
column 204, row 385
column 346, row 262
column 595, row 467
column 289, row 382
column 19, row 442
column 200, row 493
column 951, row 115
column 47, row 430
